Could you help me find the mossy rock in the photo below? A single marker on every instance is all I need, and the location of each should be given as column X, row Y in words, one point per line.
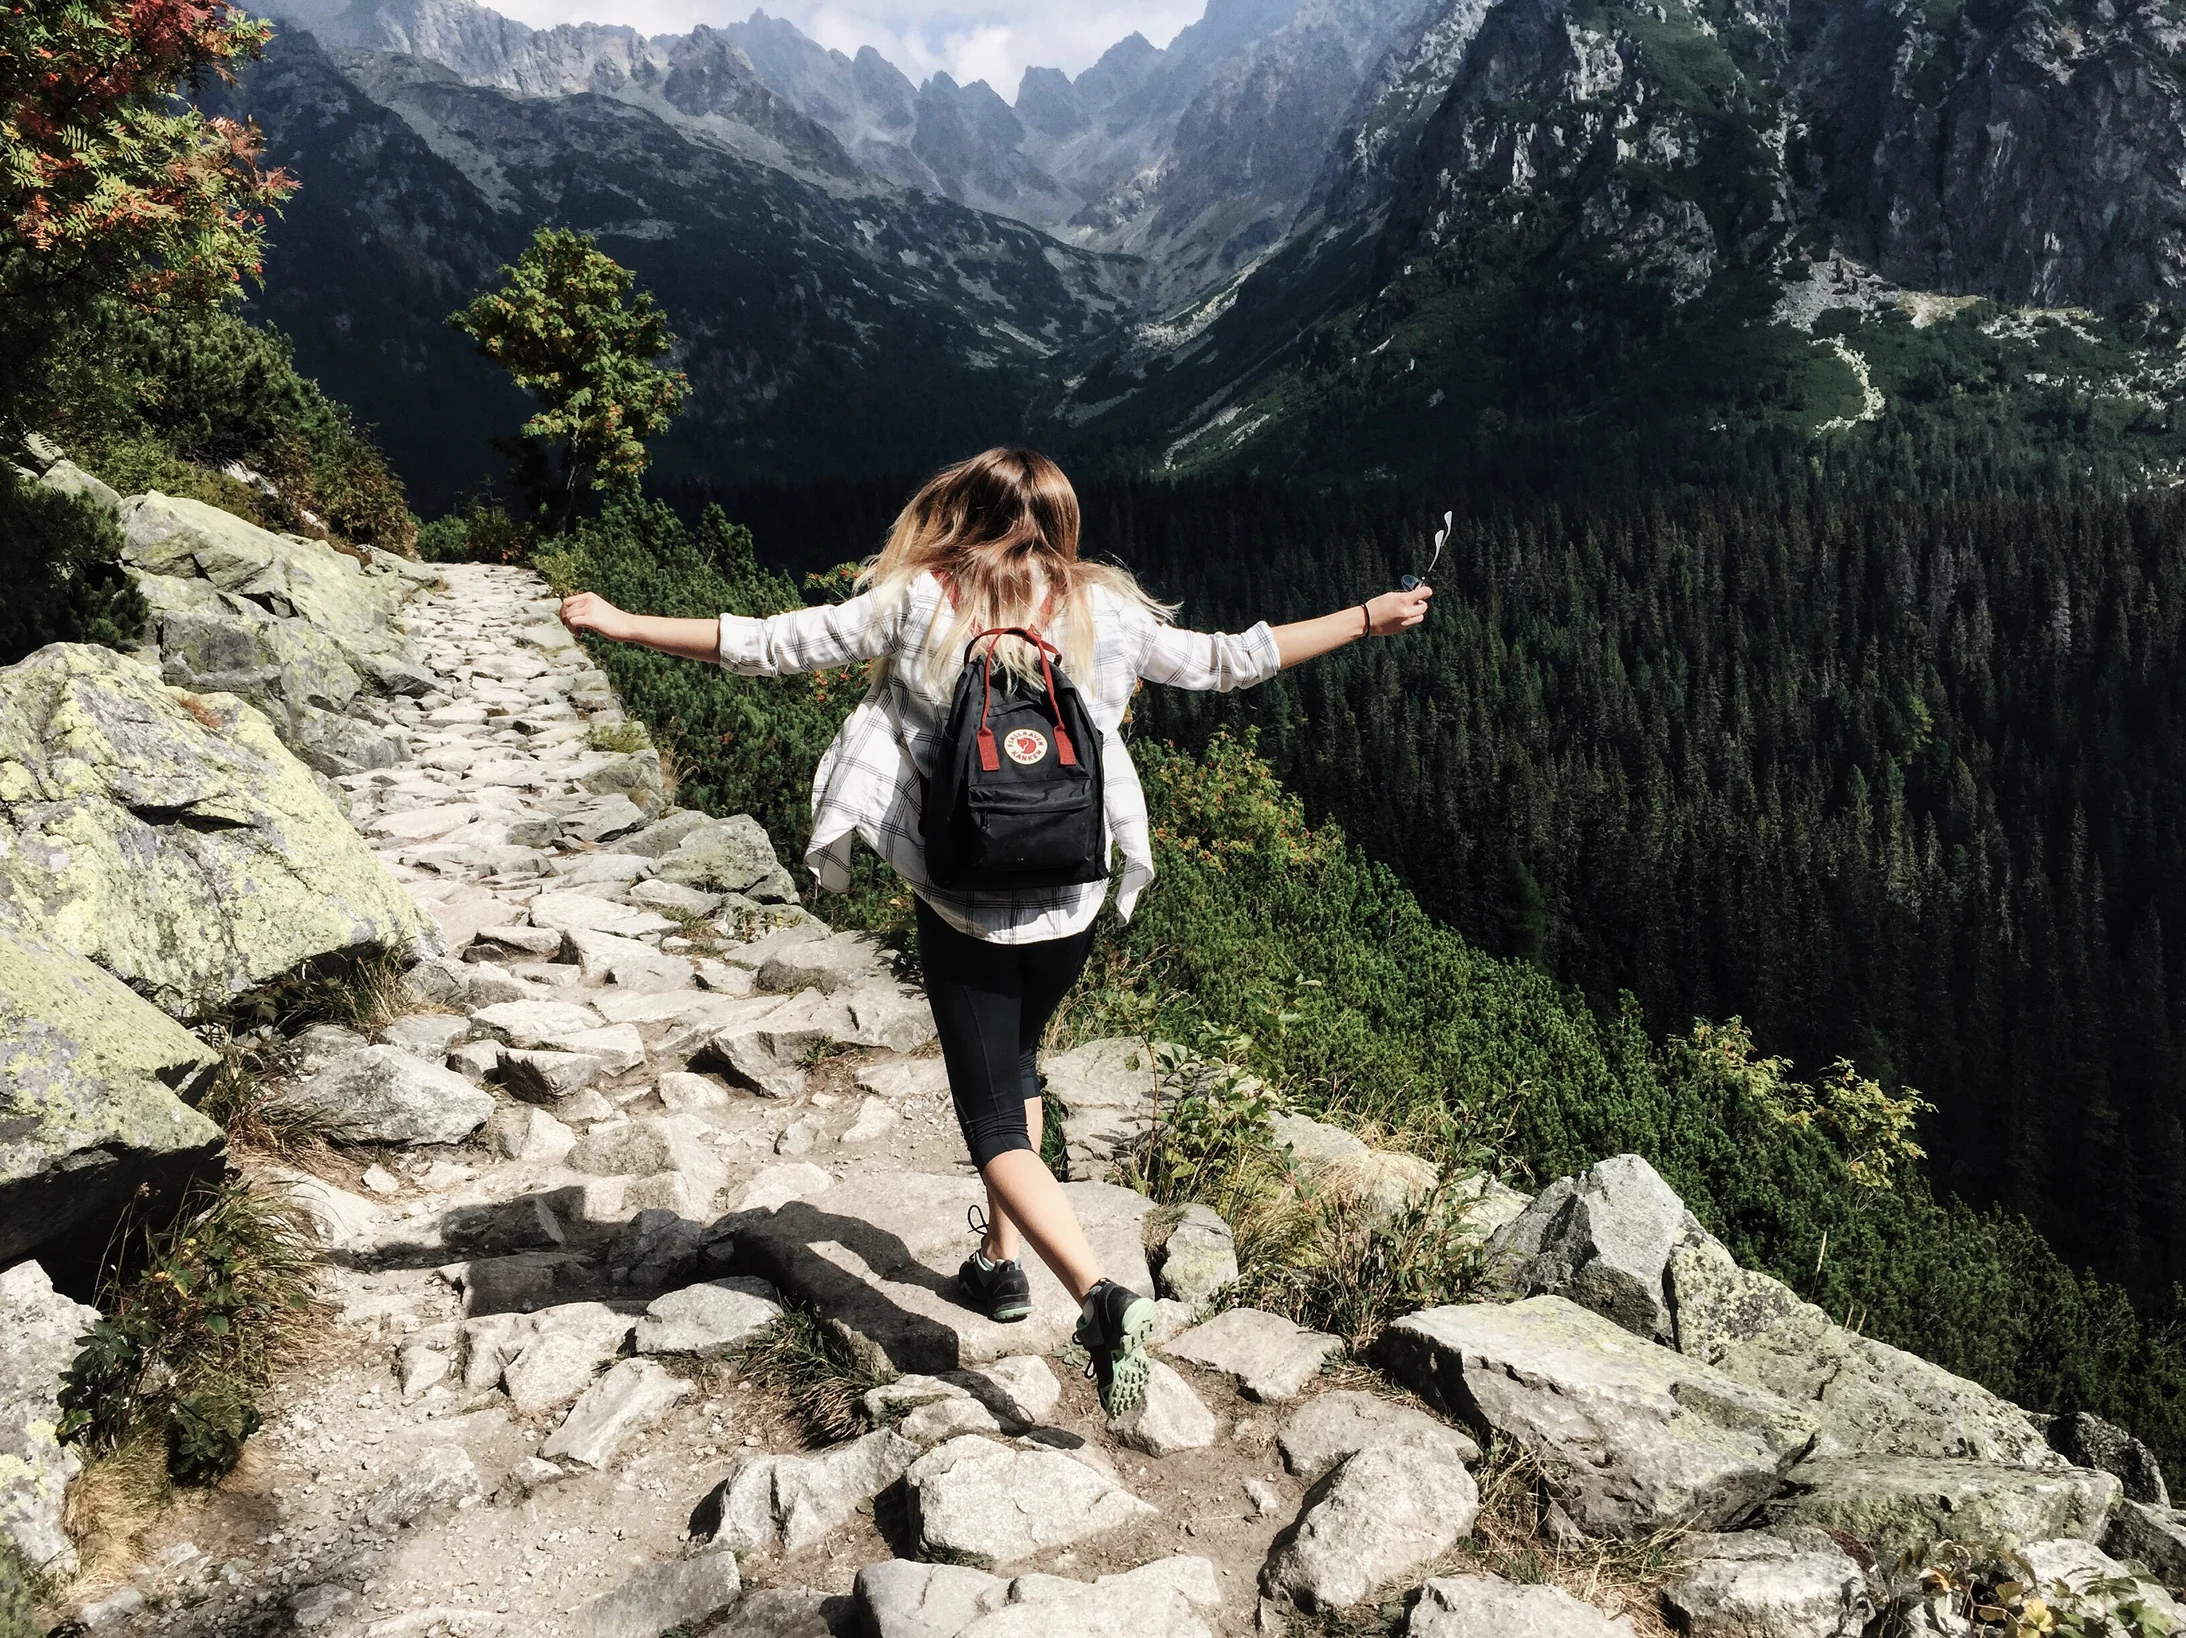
column 89, row 1112
column 172, row 839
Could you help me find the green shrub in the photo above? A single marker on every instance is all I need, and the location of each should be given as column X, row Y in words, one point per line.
column 480, row 531
column 444, row 540
column 18, row 1595
column 195, row 1313
column 163, row 400
column 60, row 578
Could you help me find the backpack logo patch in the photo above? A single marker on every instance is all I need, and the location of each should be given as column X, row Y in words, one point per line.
column 1025, row 746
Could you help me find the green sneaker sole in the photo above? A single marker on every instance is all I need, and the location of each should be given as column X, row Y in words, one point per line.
column 1128, row 1366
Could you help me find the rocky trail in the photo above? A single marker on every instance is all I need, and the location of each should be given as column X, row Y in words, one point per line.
column 640, row 1103
column 582, row 1177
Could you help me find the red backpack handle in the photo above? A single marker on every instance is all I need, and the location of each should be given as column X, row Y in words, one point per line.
column 989, row 759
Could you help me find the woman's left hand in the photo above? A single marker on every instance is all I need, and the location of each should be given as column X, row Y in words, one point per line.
column 1397, row 611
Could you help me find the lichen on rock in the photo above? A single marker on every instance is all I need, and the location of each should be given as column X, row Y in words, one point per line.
column 172, row 839
column 89, row 1073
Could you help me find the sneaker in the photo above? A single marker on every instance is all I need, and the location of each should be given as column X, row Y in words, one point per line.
column 1112, row 1330
column 998, row 1290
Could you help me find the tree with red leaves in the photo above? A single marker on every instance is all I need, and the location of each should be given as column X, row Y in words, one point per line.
column 110, row 183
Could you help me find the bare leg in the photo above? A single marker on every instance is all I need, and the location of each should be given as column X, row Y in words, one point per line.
column 1004, row 1242
column 1027, row 1191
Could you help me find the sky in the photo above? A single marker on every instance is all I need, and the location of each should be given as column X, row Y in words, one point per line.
column 991, row 42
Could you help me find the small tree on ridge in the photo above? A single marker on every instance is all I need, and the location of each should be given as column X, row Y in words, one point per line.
column 566, row 325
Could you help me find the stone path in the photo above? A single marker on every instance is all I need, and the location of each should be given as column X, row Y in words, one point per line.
column 652, row 1093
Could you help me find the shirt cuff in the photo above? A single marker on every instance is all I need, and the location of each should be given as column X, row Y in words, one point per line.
column 740, row 644
column 1260, row 641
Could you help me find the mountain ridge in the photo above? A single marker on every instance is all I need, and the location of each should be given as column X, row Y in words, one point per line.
column 1367, row 233
column 796, row 304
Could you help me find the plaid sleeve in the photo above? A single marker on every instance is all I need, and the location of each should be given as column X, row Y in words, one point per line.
column 810, row 639
column 1208, row 661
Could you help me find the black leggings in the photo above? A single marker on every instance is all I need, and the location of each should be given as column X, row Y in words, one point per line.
column 991, row 1001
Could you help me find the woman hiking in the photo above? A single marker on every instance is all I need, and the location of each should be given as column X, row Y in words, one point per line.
column 989, row 545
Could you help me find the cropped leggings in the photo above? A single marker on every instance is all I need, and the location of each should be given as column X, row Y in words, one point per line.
column 991, row 1002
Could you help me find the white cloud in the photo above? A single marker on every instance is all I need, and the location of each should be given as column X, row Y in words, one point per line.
column 965, row 39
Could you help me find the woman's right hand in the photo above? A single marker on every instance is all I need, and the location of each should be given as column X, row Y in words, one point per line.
column 589, row 611
column 1396, row 611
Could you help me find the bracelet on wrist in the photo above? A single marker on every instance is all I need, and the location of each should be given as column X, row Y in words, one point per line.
column 1366, row 618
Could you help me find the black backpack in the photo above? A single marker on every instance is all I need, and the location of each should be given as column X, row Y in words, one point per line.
column 1015, row 796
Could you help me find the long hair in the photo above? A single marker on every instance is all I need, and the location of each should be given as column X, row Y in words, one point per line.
column 1001, row 533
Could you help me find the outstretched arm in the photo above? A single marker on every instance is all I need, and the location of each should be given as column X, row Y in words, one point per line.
column 778, row 645
column 1382, row 616
column 689, row 639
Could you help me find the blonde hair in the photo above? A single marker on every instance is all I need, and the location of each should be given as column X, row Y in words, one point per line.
column 1000, row 531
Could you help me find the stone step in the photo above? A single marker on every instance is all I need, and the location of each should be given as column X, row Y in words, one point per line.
column 877, row 1256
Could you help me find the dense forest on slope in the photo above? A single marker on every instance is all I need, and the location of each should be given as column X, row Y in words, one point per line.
column 1384, row 1012
column 1892, row 770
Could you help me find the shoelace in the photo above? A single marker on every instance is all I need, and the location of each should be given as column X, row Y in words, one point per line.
column 977, row 1220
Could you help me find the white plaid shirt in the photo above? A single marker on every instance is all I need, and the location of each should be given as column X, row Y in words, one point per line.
column 867, row 785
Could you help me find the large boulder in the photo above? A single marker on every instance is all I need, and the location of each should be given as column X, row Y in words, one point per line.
column 1757, row 1585
column 1600, row 1239
column 1382, row 1514
column 1616, row 1239
column 732, row 855
column 791, row 1501
column 1168, row 1417
column 1631, row 1438
column 1899, row 1506
column 1009, row 1396
column 676, row 1595
column 1871, row 1399
column 43, row 1329
column 2154, row 1535
column 979, row 1502
column 1339, row 1165
column 1487, row 1606
column 902, row 1598
column 214, row 642
column 172, row 839
column 1331, row 1427
column 2077, row 1574
column 286, row 577
column 70, row 479
column 89, row 1115
column 2086, row 1440
column 1107, row 1091
column 381, row 1094
column 1271, row 1357
column 1197, row 1258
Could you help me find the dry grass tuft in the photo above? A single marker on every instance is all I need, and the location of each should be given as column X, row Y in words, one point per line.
column 1510, row 1539
column 198, row 1314
column 207, row 717
column 621, row 738
column 244, row 1102
column 366, row 994
column 122, row 1493
column 820, row 1375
